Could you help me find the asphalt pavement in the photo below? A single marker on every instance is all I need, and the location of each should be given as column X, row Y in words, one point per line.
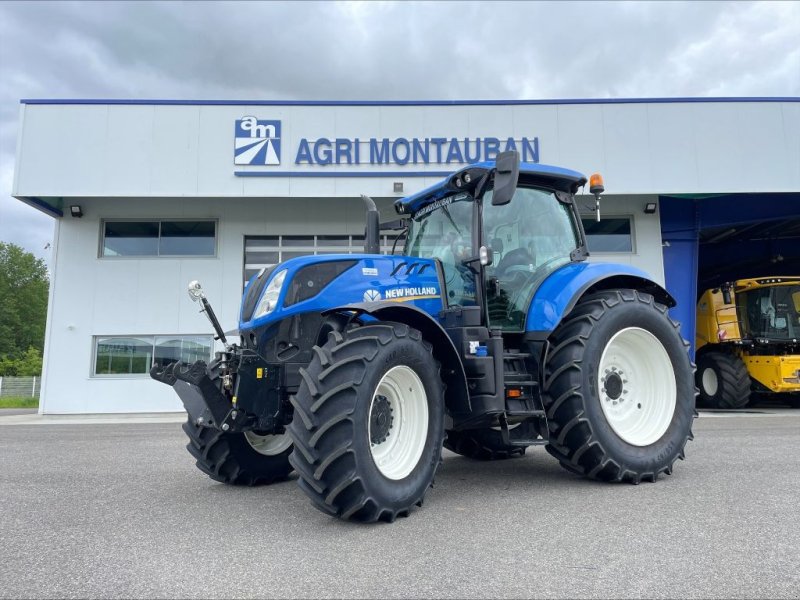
column 118, row 510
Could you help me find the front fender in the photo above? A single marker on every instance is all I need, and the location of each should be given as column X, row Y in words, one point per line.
column 560, row 292
column 453, row 376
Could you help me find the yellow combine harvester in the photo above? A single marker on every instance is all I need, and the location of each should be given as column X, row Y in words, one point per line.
column 748, row 339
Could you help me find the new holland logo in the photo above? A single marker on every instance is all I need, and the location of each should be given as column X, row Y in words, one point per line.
column 257, row 142
column 372, row 296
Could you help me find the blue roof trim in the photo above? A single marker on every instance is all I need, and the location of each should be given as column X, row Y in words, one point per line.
column 408, row 102
column 41, row 205
column 342, row 173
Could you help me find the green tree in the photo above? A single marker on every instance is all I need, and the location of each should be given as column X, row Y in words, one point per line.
column 27, row 365
column 23, row 304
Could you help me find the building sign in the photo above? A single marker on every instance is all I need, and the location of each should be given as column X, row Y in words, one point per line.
column 258, row 143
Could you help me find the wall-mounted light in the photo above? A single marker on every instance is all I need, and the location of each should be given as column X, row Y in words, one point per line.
column 398, row 187
column 650, row 208
column 76, row 211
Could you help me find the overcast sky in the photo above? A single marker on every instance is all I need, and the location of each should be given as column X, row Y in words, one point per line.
column 404, row 51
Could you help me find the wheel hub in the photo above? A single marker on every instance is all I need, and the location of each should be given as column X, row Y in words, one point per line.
column 381, row 420
column 613, row 385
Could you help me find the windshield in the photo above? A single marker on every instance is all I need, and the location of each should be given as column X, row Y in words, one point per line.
column 770, row 312
column 531, row 236
column 443, row 230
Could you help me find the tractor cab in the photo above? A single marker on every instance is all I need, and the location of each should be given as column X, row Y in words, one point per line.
column 498, row 235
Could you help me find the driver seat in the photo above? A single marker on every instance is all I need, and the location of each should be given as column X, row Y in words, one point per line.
column 521, row 255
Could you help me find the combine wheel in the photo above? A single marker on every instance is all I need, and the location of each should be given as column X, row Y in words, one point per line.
column 487, row 444
column 368, row 423
column 723, row 380
column 239, row 458
column 619, row 389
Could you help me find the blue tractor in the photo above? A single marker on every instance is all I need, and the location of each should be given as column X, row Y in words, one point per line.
column 489, row 333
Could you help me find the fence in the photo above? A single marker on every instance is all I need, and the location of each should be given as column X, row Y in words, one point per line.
column 27, row 387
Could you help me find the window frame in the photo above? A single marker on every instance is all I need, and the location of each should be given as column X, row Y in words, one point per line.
column 631, row 220
column 153, row 337
column 355, row 245
column 102, row 238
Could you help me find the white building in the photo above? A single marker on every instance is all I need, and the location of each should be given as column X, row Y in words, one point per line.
column 169, row 191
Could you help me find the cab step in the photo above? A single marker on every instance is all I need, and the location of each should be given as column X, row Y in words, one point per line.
column 506, row 432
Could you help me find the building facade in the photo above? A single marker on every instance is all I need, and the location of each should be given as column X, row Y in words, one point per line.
column 148, row 195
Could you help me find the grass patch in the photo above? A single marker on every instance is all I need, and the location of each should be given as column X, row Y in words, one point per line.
column 18, row 402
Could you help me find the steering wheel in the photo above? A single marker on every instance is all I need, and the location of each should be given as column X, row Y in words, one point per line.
column 515, row 261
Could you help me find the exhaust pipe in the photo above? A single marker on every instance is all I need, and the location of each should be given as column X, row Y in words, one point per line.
column 372, row 244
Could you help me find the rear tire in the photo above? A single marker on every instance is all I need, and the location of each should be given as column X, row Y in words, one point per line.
column 723, row 380
column 620, row 345
column 239, row 458
column 368, row 423
column 486, row 444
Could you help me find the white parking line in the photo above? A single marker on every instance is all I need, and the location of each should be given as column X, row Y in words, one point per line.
column 103, row 419
column 180, row 417
column 750, row 412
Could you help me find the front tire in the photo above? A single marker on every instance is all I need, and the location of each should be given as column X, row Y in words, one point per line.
column 239, row 458
column 368, row 425
column 619, row 389
column 723, row 380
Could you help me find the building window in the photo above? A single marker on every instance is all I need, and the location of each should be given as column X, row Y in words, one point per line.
column 134, row 355
column 266, row 251
column 159, row 238
column 609, row 235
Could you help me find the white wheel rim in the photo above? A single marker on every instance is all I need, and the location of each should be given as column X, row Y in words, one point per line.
column 636, row 381
column 407, row 430
column 268, row 445
column 710, row 382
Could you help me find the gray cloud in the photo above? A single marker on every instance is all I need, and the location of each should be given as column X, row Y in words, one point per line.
column 376, row 50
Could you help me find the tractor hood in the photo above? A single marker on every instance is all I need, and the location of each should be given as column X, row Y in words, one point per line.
column 314, row 284
column 531, row 174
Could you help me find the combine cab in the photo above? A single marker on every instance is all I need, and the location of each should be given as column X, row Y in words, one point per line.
column 491, row 333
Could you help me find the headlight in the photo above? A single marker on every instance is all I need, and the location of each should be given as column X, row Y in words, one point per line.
column 269, row 301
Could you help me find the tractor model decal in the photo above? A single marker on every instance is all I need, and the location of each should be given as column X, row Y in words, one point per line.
column 411, row 293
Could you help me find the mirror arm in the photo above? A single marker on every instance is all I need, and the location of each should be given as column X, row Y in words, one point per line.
column 597, row 206
column 482, row 184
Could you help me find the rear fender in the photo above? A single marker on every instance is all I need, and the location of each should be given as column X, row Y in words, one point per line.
column 562, row 290
column 456, row 393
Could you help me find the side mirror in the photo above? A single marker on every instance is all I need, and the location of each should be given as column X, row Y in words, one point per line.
column 506, row 177
column 726, row 295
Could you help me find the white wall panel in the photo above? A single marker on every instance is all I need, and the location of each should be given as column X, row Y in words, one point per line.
column 62, row 150
column 176, row 133
column 790, row 113
column 581, row 138
column 672, row 151
column 128, row 153
column 626, row 139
